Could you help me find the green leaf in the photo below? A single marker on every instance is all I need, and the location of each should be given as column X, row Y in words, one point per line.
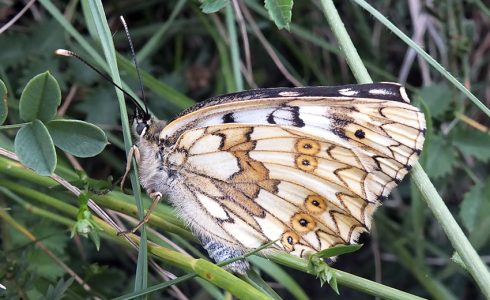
column 34, row 147
column 472, row 142
column 212, row 6
column 475, row 205
column 40, row 98
column 79, row 138
column 333, row 284
column 3, row 102
column 58, row 292
column 338, row 250
column 438, row 98
column 280, row 11
column 440, row 157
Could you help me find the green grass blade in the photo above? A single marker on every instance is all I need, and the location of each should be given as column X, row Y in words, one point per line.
column 234, row 47
column 154, row 43
column 105, row 35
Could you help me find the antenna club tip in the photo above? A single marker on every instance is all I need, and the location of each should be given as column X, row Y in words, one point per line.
column 63, row 52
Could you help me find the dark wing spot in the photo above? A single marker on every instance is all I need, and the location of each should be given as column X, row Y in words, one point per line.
column 339, row 132
column 418, row 151
column 229, row 118
column 360, row 134
column 382, row 198
column 290, row 240
column 270, row 118
column 297, row 121
column 408, row 167
column 305, row 162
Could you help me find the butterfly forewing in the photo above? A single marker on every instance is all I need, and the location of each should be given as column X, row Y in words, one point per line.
column 304, row 166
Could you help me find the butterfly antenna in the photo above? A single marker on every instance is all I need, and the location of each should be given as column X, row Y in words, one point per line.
column 68, row 53
column 135, row 65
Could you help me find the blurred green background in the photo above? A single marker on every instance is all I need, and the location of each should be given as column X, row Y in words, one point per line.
column 188, row 53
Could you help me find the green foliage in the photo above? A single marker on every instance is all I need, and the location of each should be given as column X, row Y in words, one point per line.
column 3, row 102
column 79, row 138
column 472, row 142
column 189, row 62
column 40, row 98
column 280, row 11
column 338, row 250
column 438, row 97
column 58, row 292
column 475, row 207
column 440, row 157
column 212, row 6
column 35, row 148
column 34, row 143
column 85, row 225
column 323, row 272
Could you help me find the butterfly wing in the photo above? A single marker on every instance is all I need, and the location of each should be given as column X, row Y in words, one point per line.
column 308, row 171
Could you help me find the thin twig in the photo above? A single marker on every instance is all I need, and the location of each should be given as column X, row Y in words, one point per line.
column 419, row 21
column 247, row 69
column 267, row 46
column 14, row 19
column 68, row 100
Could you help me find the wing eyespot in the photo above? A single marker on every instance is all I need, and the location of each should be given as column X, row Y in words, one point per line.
column 303, row 223
column 289, row 239
column 306, row 163
column 307, row 147
column 315, row 204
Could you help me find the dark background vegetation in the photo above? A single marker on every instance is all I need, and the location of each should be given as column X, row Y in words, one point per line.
column 407, row 250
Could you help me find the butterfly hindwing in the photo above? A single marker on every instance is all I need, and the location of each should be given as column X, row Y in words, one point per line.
column 274, row 182
column 304, row 166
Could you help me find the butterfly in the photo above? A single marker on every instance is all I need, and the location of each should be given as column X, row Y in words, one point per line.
column 305, row 167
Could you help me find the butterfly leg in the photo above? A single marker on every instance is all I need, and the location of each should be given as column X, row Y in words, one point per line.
column 219, row 252
column 133, row 151
column 155, row 197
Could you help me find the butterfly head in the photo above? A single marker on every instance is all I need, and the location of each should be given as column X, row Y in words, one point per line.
column 141, row 122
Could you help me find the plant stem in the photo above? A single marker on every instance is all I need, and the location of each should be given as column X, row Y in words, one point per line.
column 460, row 242
column 13, row 126
column 234, row 47
column 353, row 59
column 346, row 279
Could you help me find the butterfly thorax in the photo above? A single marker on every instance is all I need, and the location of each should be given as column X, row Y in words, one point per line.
column 153, row 173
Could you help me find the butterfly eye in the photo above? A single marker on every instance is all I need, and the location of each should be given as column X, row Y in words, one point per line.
column 141, row 128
